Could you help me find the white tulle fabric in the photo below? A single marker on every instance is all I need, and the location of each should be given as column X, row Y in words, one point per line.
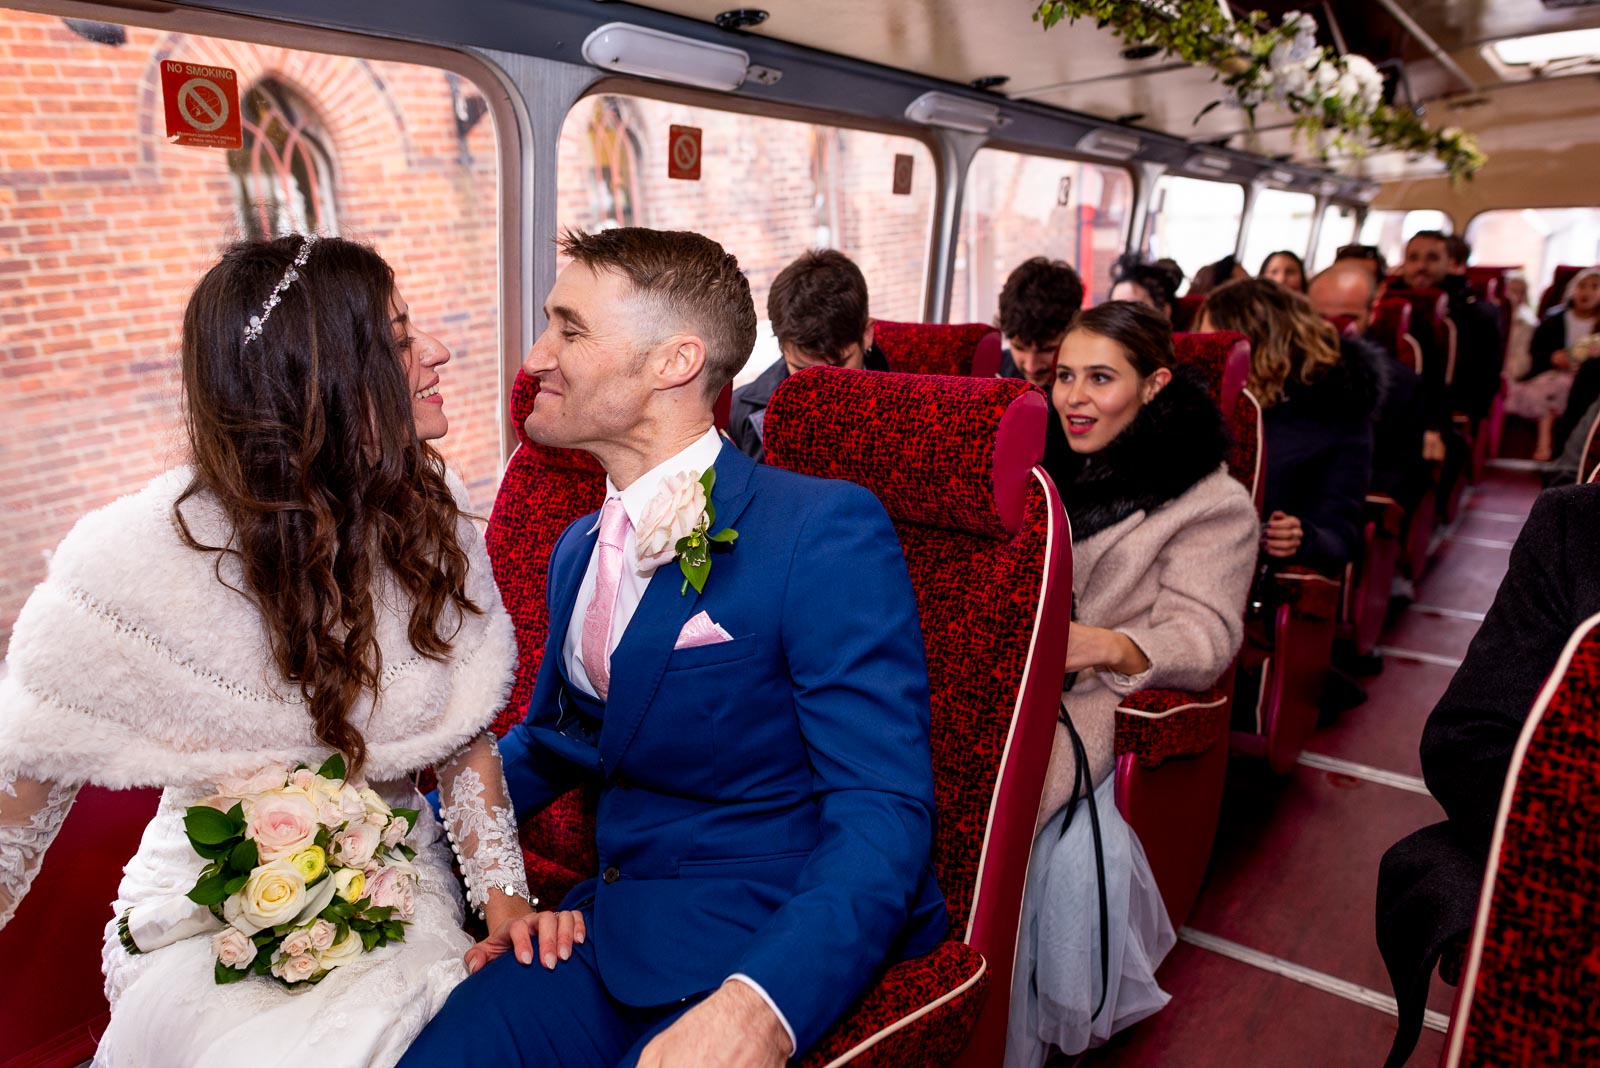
column 1056, row 984
column 132, row 664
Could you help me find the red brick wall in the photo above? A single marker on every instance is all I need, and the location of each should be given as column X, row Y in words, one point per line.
column 104, row 229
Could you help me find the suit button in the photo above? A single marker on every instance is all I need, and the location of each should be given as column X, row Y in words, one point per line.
column 611, row 874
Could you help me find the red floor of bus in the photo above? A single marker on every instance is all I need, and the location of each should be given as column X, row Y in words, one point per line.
column 1278, row 964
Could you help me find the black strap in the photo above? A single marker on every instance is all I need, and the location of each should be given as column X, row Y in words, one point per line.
column 1082, row 781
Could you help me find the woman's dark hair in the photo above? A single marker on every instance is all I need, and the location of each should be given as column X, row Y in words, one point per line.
column 1212, row 275
column 1288, row 339
column 1144, row 333
column 1299, row 265
column 306, row 440
column 1161, row 280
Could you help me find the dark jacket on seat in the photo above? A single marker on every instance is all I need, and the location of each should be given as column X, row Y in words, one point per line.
column 748, row 409
column 1429, row 882
column 1398, row 469
column 1319, row 456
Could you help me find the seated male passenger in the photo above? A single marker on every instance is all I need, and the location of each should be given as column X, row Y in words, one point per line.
column 1435, row 260
column 818, row 308
column 1317, row 406
column 759, row 741
column 1164, row 545
column 1369, row 257
column 1037, row 302
column 1429, row 882
column 1398, row 467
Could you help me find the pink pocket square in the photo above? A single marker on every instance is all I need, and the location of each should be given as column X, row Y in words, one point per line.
column 701, row 631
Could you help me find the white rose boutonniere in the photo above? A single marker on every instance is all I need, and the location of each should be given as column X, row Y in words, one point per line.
column 677, row 524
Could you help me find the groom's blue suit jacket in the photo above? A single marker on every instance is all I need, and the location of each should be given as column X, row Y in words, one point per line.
column 767, row 803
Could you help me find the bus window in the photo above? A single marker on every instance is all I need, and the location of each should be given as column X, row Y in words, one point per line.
column 1390, row 230
column 1281, row 221
column 1537, row 240
column 795, row 185
column 1018, row 206
column 108, row 227
column 1194, row 221
column 1338, row 229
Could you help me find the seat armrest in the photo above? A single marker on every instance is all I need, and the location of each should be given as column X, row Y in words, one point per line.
column 1308, row 594
column 1155, row 726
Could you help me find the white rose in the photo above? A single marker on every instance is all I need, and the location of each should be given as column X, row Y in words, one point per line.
column 350, row 883
column 342, row 953
column 295, row 944
column 372, row 802
column 322, row 933
column 281, row 824
column 295, row 969
column 354, row 845
column 1325, row 78
column 394, row 833
column 233, row 948
column 1292, row 79
column 672, row 513
column 271, row 896
column 264, row 781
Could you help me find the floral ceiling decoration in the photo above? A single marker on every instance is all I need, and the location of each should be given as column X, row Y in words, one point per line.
column 1337, row 100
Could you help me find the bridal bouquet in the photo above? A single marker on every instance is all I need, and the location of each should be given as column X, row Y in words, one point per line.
column 307, row 869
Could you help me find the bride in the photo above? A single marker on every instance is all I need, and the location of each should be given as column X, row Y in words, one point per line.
column 310, row 584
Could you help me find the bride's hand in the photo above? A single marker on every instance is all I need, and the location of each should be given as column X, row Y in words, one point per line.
column 556, row 933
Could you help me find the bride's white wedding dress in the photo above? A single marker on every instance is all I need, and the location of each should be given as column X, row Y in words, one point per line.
column 132, row 665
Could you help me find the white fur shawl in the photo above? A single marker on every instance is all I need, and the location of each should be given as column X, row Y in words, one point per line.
column 132, row 665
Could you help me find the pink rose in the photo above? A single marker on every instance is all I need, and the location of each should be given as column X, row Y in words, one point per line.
column 322, row 933
column 294, row 969
column 395, row 833
column 354, row 845
column 295, row 944
column 383, row 888
column 672, row 513
column 233, row 948
column 261, row 782
column 304, row 780
column 281, row 824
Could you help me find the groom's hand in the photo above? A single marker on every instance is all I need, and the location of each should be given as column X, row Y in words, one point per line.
column 733, row 1028
column 555, row 933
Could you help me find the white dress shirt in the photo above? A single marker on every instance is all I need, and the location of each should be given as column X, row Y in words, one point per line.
column 630, row 591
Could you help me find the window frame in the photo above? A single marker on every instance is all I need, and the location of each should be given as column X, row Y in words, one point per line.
column 1245, row 209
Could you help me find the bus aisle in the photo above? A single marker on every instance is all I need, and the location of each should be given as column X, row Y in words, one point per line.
column 1278, row 963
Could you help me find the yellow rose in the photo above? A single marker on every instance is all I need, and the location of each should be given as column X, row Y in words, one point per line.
column 272, row 895
column 310, row 862
column 350, row 883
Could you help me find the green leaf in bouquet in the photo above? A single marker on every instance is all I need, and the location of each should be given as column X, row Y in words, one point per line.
column 212, row 889
column 394, row 931
column 369, row 940
column 244, row 857
column 324, row 839
column 333, row 767
column 207, row 826
column 236, row 814
column 407, row 852
column 378, row 915
column 225, row 975
column 235, row 884
column 695, row 573
column 409, row 815
column 214, row 852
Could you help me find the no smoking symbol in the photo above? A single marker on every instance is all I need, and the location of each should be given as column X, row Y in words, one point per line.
column 683, row 153
column 203, row 104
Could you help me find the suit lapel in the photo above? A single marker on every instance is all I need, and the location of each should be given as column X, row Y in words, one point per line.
column 641, row 657
column 566, row 575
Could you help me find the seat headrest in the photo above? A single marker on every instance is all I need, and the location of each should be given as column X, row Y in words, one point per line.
column 1223, row 357
column 523, row 390
column 932, row 348
column 938, row 451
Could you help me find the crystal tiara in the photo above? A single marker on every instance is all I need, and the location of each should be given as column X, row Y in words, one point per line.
column 253, row 331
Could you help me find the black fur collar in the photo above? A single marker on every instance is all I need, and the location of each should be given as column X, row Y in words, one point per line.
column 1175, row 441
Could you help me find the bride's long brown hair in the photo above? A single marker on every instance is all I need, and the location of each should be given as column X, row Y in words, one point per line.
column 305, row 438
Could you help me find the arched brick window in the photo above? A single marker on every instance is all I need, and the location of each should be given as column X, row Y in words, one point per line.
column 284, row 172
column 614, row 162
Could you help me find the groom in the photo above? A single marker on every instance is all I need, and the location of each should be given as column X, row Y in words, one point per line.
column 766, row 812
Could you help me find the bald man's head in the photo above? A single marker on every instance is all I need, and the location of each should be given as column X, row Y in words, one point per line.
column 1346, row 288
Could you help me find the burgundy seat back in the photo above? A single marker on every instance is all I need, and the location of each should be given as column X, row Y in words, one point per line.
column 1345, row 324
column 1531, row 976
column 542, row 491
column 1430, row 324
column 1557, row 289
column 1589, row 461
column 1488, row 283
column 1224, row 358
column 954, row 462
column 966, row 349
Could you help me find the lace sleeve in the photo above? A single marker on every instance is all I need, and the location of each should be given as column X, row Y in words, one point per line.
column 478, row 817
column 31, row 812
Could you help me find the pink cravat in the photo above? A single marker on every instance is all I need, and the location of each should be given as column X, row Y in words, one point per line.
column 595, row 645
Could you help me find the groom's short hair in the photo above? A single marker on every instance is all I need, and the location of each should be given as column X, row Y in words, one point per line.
column 688, row 281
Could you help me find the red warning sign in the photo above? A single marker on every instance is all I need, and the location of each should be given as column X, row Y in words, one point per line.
column 683, row 152
column 202, row 105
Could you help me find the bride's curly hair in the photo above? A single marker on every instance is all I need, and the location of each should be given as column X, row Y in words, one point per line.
column 1288, row 339
column 306, row 440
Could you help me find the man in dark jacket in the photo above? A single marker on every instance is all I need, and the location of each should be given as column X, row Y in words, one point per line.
column 1037, row 304
column 818, row 308
column 1429, row 882
column 1436, row 261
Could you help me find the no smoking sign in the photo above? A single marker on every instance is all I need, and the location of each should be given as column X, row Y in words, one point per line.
column 683, row 152
column 202, row 105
